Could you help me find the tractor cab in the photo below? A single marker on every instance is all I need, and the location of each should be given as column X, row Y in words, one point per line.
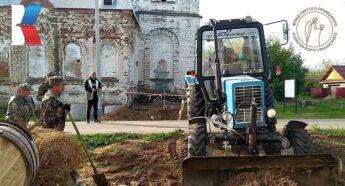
column 239, row 51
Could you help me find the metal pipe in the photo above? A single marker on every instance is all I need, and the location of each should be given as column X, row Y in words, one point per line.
column 98, row 54
column 252, row 130
column 217, row 62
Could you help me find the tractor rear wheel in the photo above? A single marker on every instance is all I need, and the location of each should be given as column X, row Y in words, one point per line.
column 301, row 141
column 197, row 137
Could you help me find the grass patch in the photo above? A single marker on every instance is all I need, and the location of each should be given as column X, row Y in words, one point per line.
column 163, row 136
column 99, row 140
column 333, row 132
column 323, row 109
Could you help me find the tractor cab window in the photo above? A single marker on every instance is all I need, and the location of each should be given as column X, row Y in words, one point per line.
column 239, row 52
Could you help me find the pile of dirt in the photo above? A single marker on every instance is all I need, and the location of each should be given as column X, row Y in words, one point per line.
column 333, row 145
column 136, row 162
column 154, row 113
column 262, row 177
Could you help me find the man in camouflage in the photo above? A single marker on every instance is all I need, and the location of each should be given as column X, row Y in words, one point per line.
column 52, row 109
column 44, row 87
column 19, row 105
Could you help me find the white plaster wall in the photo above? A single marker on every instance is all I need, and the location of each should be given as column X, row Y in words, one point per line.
column 161, row 49
column 37, row 61
column 184, row 28
column 72, row 63
column 182, row 6
column 109, row 61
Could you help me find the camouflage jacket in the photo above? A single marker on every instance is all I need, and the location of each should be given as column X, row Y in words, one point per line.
column 18, row 110
column 42, row 89
column 52, row 112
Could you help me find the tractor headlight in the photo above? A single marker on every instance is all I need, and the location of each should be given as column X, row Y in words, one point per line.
column 271, row 113
column 227, row 117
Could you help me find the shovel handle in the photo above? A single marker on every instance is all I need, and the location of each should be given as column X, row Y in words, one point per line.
column 82, row 142
column 33, row 113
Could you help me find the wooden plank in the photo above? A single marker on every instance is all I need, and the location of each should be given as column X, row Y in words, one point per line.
column 13, row 165
column 181, row 110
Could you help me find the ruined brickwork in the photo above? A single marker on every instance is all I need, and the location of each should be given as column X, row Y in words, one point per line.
column 149, row 46
column 167, row 36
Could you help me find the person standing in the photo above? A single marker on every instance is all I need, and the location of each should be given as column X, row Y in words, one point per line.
column 53, row 110
column 44, row 87
column 19, row 106
column 93, row 88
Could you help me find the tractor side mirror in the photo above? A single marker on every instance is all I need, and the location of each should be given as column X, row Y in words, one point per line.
column 277, row 31
column 285, row 31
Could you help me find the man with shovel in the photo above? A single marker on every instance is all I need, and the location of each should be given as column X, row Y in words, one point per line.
column 54, row 112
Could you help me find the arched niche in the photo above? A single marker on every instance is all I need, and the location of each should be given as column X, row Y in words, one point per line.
column 72, row 64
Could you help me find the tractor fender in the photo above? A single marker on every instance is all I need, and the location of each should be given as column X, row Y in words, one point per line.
column 294, row 124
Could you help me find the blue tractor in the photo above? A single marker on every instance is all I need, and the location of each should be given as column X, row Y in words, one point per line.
column 231, row 112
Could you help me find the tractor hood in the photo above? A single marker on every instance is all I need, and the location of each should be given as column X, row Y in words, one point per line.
column 240, row 92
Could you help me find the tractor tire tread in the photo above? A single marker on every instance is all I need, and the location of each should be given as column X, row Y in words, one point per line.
column 197, row 137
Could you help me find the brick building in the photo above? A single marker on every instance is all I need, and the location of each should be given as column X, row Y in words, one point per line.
column 144, row 44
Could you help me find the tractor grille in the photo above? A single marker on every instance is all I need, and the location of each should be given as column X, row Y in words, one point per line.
column 247, row 93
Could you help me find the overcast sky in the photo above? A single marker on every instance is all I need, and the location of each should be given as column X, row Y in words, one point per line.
column 266, row 11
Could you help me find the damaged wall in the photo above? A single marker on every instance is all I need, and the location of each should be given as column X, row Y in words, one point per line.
column 154, row 55
column 167, row 34
column 69, row 49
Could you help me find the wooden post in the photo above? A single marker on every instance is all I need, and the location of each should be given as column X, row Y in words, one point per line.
column 181, row 110
column 164, row 100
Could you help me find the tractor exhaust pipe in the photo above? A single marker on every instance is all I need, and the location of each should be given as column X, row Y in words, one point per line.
column 217, row 62
column 252, row 129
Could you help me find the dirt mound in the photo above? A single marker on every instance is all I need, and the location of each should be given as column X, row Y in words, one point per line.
column 262, row 177
column 136, row 163
column 333, row 145
column 154, row 113
column 139, row 162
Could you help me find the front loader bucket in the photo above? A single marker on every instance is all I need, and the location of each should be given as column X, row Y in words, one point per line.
column 200, row 171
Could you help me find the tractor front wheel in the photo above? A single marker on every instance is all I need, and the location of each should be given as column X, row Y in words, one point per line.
column 197, row 138
column 301, row 141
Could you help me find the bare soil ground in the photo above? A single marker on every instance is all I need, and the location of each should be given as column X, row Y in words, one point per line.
column 136, row 163
column 333, row 145
column 153, row 113
column 144, row 163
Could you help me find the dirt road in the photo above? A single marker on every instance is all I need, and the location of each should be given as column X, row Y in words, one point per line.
column 170, row 125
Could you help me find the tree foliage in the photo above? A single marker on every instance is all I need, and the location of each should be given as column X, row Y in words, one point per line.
column 291, row 64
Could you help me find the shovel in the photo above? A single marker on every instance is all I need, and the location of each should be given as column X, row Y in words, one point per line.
column 99, row 178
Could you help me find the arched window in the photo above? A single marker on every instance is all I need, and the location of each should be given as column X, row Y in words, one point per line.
column 72, row 65
column 108, row 60
column 4, row 63
column 36, row 61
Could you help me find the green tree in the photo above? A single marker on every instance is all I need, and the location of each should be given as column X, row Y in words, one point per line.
column 291, row 64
